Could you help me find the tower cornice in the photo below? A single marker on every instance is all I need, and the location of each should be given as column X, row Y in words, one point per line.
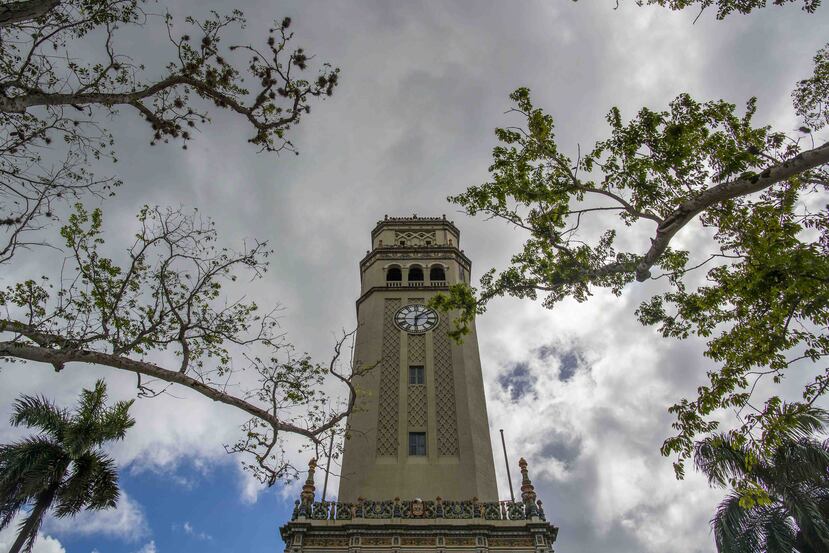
column 413, row 221
column 392, row 251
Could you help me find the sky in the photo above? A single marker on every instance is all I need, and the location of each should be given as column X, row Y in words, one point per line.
column 581, row 391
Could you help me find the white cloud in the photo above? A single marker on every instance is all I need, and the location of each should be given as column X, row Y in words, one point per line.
column 43, row 543
column 148, row 547
column 189, row 530
column 126, row 521
column 594, row 448
column 250, row 488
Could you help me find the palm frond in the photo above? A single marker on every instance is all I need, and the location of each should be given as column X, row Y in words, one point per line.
column 105, row 492
column 731, row 524
column 94, row 423
column 720, row 459
column 75, row 491
column 809, row 518
column 796, row 421
column 30, row 465
column 778, row 531
column 92, row 402
column 115, row 421
column 800, row 462
column 92, row 484
column 9, row 510
column 38, row 411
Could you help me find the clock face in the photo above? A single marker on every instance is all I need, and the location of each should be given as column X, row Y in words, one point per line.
column 416, row 318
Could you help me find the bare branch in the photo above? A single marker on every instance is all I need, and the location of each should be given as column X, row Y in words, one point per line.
column 59, row 357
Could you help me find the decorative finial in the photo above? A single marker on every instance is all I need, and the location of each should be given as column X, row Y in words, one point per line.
column 308, row 489
column 527, row 488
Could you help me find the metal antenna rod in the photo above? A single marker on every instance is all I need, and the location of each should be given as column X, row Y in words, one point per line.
column 327, row 466
column 506, row 462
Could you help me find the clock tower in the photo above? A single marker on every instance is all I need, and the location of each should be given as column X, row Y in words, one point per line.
column 417, row 472
column 420, row 428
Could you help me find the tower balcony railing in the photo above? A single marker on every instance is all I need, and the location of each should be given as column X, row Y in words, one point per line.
column 417, row 284
column 420, row 509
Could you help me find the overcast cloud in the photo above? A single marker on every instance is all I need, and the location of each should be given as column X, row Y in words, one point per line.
column 581, row 391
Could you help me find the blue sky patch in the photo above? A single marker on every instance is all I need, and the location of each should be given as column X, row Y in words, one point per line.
column 517, row 381
column 208, row 515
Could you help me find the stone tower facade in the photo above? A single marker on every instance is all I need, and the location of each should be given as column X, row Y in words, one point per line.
column 417, row 472
column 424, row 389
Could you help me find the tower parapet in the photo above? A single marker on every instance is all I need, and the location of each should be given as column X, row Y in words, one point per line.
column 415, row 231
column 426, row 526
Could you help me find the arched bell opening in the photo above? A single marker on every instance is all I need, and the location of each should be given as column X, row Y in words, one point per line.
column 415, row 274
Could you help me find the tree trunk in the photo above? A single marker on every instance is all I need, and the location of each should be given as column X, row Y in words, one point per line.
column 30, row 528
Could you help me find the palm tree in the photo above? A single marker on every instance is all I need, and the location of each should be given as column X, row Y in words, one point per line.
column 62, row 468
column 794, row 478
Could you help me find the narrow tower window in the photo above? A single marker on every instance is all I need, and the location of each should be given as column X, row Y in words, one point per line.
column 416, row 274
column 417, row 443
column 416, row 375
column 394, row 274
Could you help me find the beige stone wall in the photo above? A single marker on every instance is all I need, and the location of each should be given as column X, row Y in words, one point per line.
column 376, row 463
column 423, row 536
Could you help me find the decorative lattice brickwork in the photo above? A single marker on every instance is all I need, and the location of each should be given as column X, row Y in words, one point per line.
column 414, row 238
column 417, row 392
column 445, row 391
column 417, row 406
column 389, row 382
column 417, row 349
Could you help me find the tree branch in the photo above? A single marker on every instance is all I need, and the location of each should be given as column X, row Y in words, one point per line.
column 59, row 357
column 726, row 191
column 16, row 12
column 19, row 104
column 625, row 204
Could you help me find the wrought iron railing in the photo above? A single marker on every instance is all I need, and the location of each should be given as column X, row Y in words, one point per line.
column 419, row 509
